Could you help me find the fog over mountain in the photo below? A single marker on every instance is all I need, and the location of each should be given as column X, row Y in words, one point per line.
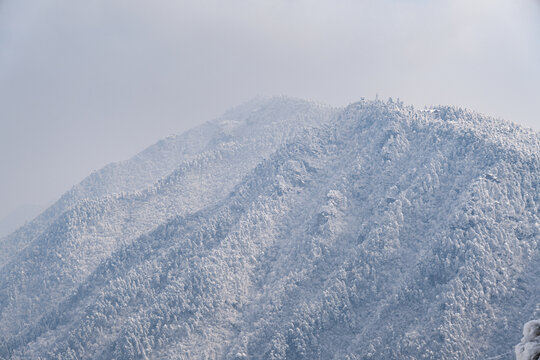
column 287, row 229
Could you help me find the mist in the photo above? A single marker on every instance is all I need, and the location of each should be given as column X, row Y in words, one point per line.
column 83, row 84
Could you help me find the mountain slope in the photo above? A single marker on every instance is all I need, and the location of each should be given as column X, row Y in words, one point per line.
column 383, row 232
column 87, row 232
column 274, row 119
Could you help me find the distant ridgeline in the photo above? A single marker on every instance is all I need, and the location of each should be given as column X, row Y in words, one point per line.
column 289, row 230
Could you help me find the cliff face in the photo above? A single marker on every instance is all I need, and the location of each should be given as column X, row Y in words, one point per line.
column 290, row 231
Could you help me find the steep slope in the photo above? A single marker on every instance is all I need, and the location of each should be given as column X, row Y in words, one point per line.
column 134, row 174
column 159, row 160
column 88, row 231
column 384, row 233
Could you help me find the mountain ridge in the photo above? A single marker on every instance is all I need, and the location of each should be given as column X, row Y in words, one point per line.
column 126, row 176
column 298, row 258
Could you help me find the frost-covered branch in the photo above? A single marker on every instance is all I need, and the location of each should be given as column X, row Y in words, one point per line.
column 529, row 347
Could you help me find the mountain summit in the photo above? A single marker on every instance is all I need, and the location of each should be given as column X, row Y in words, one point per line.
column 289, row 230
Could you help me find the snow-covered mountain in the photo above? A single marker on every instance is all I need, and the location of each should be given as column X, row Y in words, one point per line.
column 289, row 230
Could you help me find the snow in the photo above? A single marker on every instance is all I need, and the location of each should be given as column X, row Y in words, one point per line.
column 529, row 346
column 287, row 229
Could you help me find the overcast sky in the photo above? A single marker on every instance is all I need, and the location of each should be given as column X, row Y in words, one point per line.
column 85, row 83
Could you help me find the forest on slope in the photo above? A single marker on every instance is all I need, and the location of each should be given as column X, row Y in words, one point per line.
column 289, row 230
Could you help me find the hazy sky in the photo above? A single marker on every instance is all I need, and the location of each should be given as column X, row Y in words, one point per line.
column 85, row 83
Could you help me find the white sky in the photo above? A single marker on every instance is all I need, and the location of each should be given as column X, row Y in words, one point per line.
column 85, row 83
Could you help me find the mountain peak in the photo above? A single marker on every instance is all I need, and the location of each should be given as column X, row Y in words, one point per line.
column 289, row 230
